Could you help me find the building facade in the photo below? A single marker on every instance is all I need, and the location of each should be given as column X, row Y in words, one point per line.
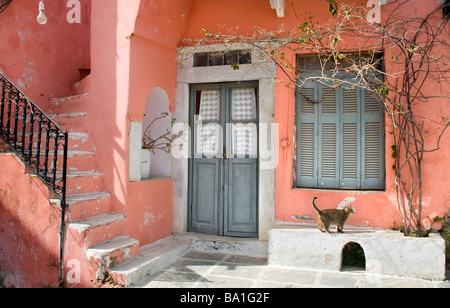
column 253, row 152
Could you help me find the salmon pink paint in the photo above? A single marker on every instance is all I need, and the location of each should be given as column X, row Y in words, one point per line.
column 128, row 48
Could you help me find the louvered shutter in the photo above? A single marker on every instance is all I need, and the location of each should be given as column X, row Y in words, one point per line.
column 329, row 135
column 340, row 139
column 350, row 114
column 306, row 135
column 372, row 164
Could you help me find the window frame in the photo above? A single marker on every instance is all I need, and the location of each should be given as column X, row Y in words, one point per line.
column 315, row 126
column 222, row 58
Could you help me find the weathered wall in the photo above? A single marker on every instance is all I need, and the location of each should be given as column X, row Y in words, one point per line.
column 29, row 229
column 43, row 60
column 133, row 52
column 374, row 209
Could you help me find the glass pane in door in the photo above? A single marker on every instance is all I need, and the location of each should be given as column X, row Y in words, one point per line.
column 207, row 118
column 209, row 105
column 243, row 104
column 244, row 140
column 208, row 137
column 244, row 134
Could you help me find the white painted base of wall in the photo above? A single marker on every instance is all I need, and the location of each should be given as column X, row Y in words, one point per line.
column 146, row 158
column 387, row 252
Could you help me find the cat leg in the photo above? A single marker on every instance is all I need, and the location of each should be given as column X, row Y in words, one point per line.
column 321, row 228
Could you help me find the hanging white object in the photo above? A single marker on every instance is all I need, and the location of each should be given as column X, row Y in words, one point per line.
column 41, row 19
column 279, row 6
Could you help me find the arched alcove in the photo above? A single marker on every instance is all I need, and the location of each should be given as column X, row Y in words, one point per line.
column 157, row 104
column 353, row 257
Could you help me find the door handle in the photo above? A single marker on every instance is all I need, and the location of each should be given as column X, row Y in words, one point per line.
column 225, row 153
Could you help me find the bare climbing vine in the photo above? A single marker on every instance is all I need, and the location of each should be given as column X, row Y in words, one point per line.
column 402, row 60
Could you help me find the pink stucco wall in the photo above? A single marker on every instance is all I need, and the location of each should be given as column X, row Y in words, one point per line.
column 43, row 60
column 29, row 229
column 131, row 48
column 373, row 209
column 132, row 53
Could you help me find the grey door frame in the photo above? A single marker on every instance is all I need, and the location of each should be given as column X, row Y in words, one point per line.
column 223, row 167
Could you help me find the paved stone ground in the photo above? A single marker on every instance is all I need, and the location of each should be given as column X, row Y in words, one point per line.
column 201, row 269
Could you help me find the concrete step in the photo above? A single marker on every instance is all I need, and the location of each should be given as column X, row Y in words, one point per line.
column 92, row 233
column 70, row 104
column 77, row 141
column 111, row 253
column 82, row 86
column 80, row 142
column 94, row 230
column 227, row 245
column 79, row 182
column 72, row 122
column 151, row 259
column 82, row 206
column 76, row 160
column 81, row 160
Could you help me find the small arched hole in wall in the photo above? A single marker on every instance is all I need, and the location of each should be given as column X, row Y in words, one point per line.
column 353, row 257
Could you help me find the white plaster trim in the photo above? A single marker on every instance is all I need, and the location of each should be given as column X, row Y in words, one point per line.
column 261, row 70
column 135, row 151
column 386, row 252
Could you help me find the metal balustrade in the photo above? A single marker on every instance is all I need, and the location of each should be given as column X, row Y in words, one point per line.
column 34, row 137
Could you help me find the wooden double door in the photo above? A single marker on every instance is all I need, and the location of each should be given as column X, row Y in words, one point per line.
column 223, row 177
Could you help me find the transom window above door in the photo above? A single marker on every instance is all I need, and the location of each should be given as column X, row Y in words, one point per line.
column 219, row 58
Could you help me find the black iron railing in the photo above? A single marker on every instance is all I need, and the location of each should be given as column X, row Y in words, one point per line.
column 34, row 137
column 4, row 4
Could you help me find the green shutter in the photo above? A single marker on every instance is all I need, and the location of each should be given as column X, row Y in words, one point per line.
column 328, row 154
column 306, row 135
column 350, row 114
column 340, row 139
column 373, row 149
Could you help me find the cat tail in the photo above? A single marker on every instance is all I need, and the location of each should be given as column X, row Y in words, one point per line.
column 314, row 205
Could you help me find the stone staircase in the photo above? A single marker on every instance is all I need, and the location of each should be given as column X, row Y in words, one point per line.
column 94, row 240
column 96, row 250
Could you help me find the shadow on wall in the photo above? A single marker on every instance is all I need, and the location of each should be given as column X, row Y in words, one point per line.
column 29, row 228
column 157, row 104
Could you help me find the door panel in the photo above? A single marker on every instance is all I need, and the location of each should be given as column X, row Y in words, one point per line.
column 224, row 164
column 206, row 191
column 241, row 198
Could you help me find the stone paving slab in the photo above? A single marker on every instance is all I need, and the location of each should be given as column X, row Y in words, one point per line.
column 200, row 269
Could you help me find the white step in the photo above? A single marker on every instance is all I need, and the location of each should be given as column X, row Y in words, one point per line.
column 96, row 221
column 75, row 174
column 111, row 253
column 151, row 259
column 104, row 248
column 72, row 199
column 59, row 100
